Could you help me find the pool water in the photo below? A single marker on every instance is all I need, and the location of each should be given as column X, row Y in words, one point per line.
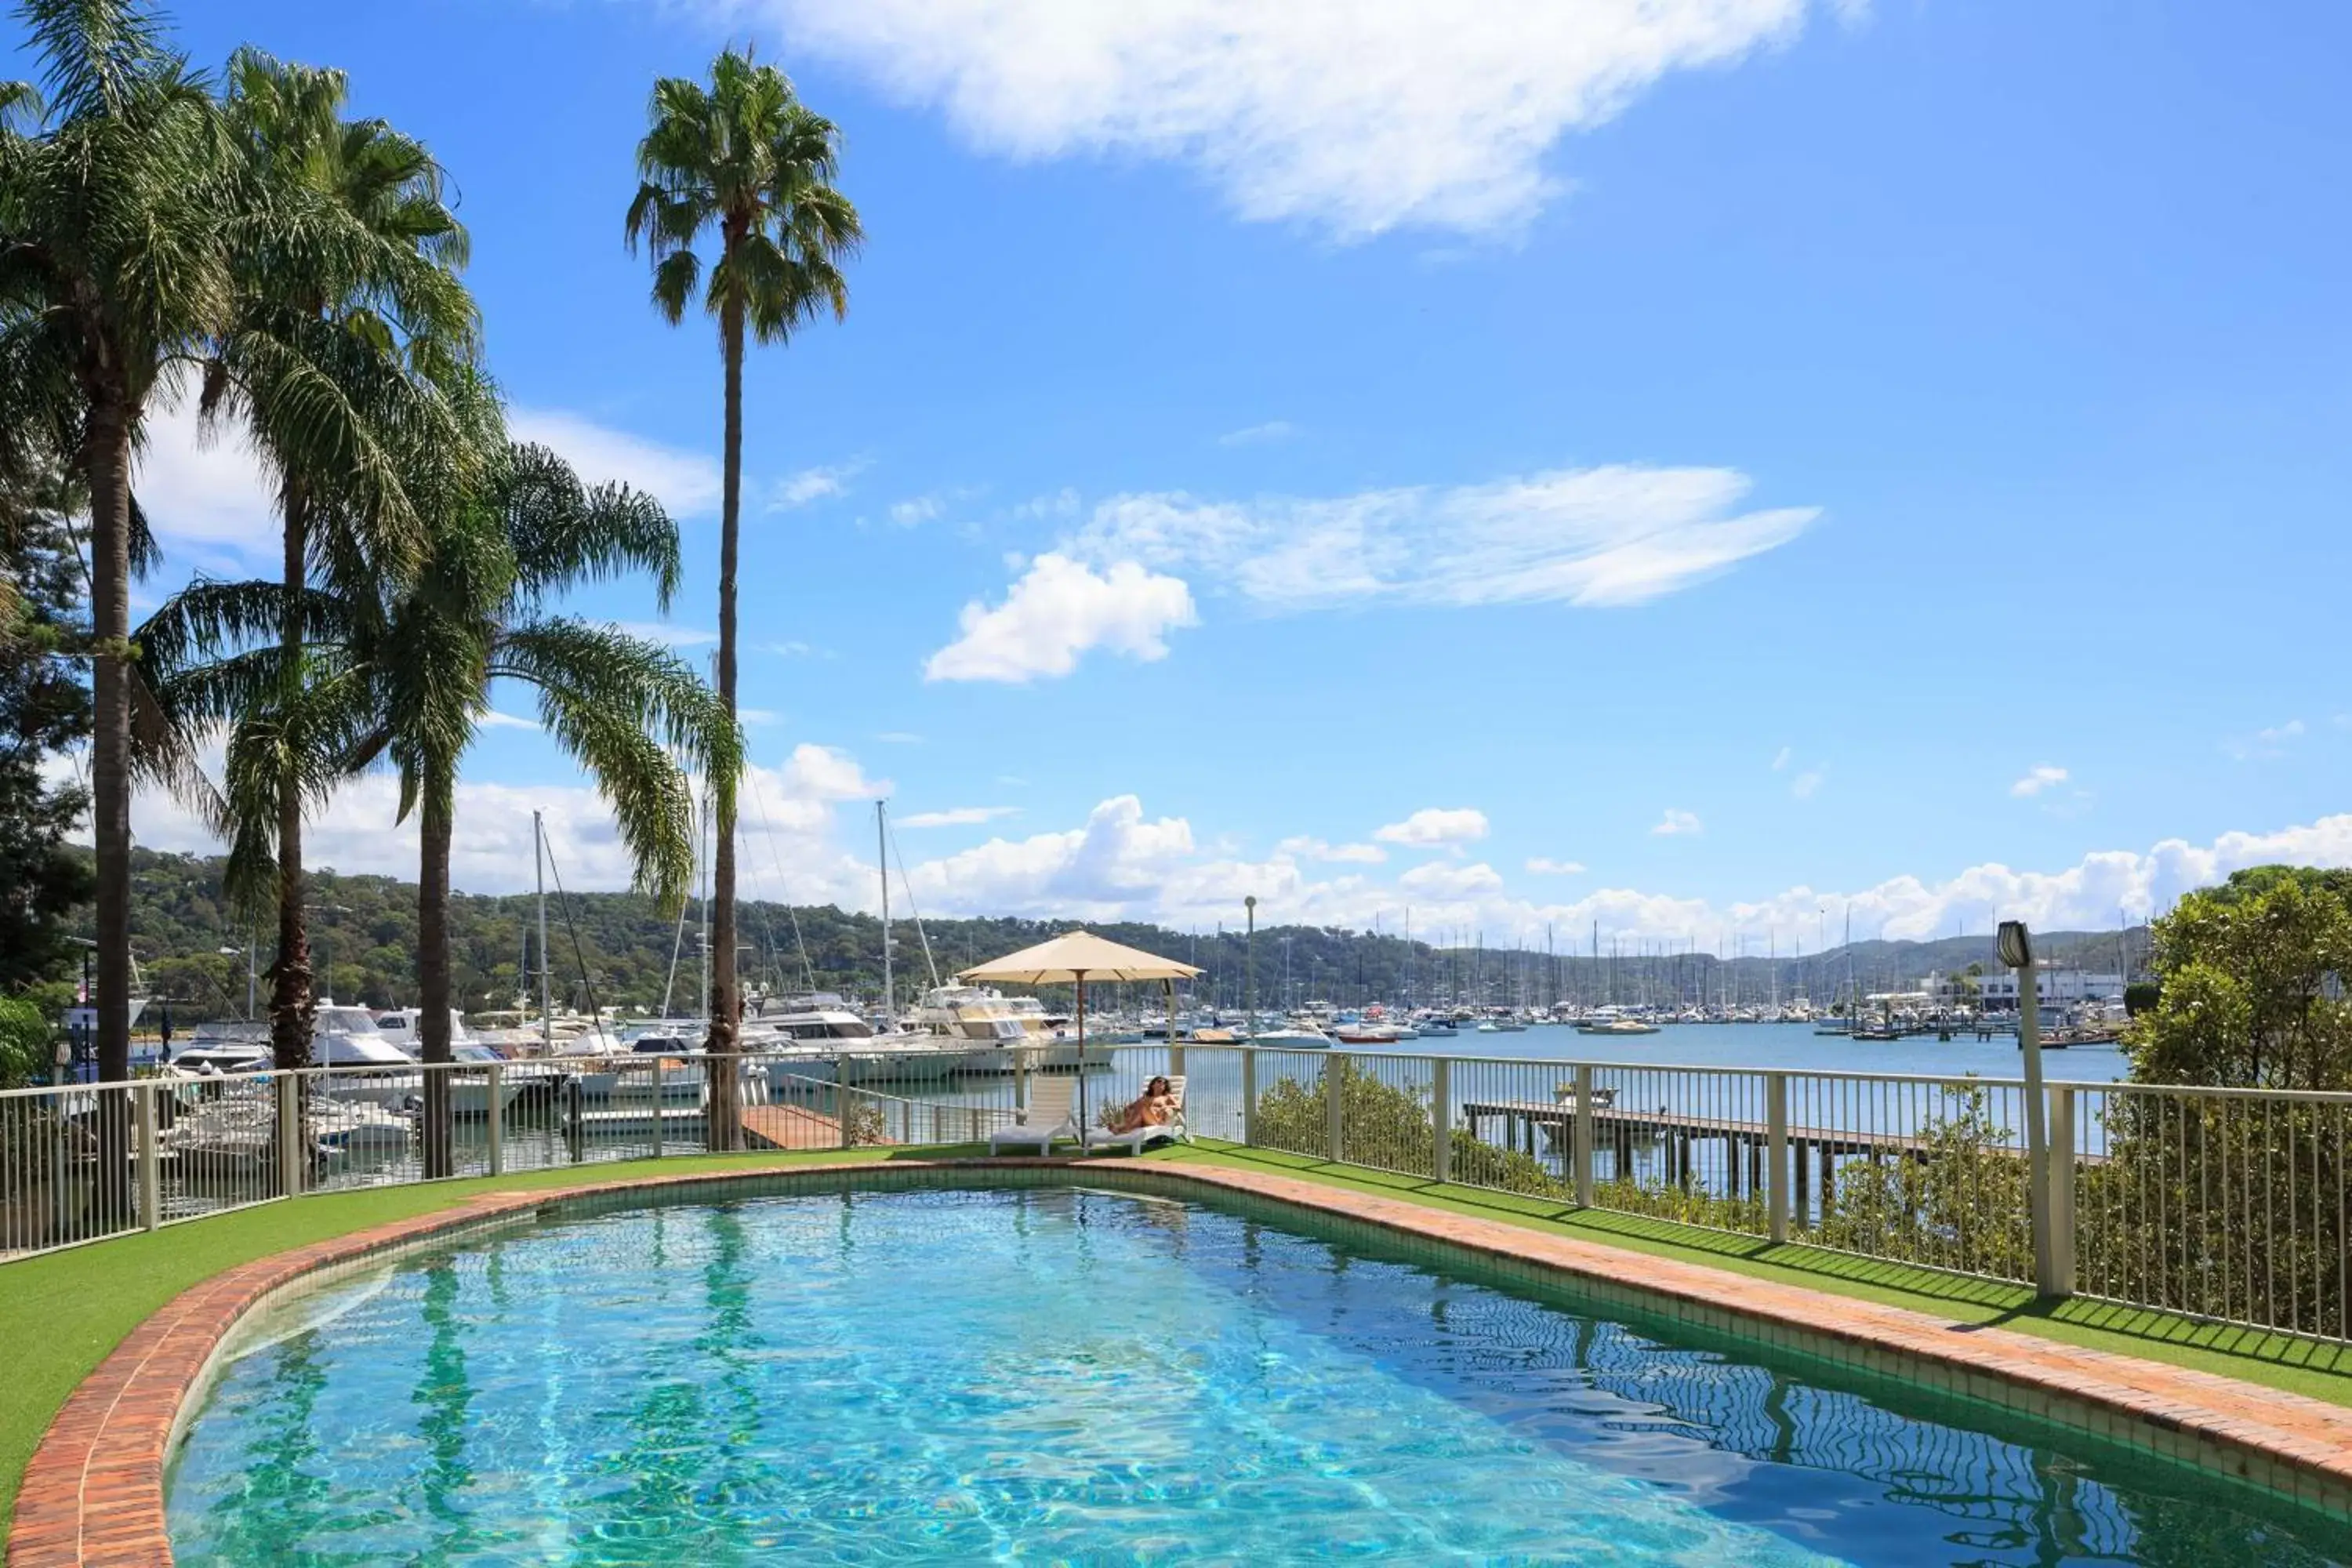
column 1047, row 1374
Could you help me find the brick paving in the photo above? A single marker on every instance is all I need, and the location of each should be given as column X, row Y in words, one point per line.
column 94, row 1491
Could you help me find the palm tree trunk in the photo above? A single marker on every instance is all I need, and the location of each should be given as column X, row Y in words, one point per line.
column 435, row 827
column 726, row 1124
column 108, row 459
column 290, row 1002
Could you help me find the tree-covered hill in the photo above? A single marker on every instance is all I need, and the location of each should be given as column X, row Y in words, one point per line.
column 617, row 945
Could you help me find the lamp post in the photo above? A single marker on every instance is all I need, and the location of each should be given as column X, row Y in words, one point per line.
column 1249, row 967
column 2016, row 947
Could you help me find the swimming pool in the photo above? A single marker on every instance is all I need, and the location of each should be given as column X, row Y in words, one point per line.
column 1051, row 1374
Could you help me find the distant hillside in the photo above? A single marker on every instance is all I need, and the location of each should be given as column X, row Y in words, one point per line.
column 614, row 946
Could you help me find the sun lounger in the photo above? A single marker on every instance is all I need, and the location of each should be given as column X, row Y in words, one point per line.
column 1051, row 1115
column 1174, row 1130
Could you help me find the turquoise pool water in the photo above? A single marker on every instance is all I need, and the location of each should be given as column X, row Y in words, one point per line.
column 1044, row 1375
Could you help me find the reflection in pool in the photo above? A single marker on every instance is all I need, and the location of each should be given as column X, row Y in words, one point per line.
column 1044, row 1375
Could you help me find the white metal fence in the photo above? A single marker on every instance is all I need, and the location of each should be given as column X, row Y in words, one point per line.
column 2229, row 1205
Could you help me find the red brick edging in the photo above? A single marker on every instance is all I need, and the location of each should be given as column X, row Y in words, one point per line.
column 93, row 1493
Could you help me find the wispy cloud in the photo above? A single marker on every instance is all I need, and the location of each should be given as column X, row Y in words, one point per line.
column 1355, row 118
column 1807, row 784
column 1434, row 826
column 756, row 715
column 1677, row 823
column 812, row 485
column 958, row 816
column 1542, row 866
column 1782, row 759
column 664, row 632
column 1273, row 430
column 687, row 482
column 494, row 719
column 1604, row 536
column 898, row 738
column 2271, row 743
column 2040, row 777
column 916, row 509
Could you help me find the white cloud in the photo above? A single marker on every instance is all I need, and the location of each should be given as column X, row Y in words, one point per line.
column 756, row 715
column 828, row 773
column 2040, row 777
column 688, row 483
column 205, row 488
column 669, row 636
column 957, row 816
column 1781, row 760
column 1434, row 826
column 1272, row 431
column 1059, row 610
column 1807, row 784
column 1675, row 823
column 1355, row 115
column 1621, row 534
column 809, row 485
column 1543, row 866
column 1343, row 854
column 1445, row 879
column 494, row 719
column 916, row 509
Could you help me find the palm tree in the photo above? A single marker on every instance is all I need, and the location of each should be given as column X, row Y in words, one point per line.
column 118, row 212
column 627, row 709
column 334, row 358
column 745, row 161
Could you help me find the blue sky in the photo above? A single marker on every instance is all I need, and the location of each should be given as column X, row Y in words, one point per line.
column 1758, row 455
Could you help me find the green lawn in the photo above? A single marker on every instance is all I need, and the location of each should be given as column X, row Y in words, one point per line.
column 61, row 1314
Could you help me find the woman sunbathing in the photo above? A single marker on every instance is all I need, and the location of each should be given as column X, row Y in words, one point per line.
column 1155, row 1108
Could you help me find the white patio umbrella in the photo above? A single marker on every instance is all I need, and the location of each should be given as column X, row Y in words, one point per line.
column 1072, row 959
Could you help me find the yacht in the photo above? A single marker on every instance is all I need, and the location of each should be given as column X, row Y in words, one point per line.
column 995, row 1032
column 820, row 1037
column 1292, row 1038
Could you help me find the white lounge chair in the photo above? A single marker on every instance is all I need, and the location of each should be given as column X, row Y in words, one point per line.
column 1173, row 1129
column 1051, row 1115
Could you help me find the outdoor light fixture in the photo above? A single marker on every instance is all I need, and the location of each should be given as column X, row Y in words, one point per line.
column 2016, row 945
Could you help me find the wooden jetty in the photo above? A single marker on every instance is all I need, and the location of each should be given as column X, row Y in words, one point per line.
column 793, row 1126
column 1814, row 1152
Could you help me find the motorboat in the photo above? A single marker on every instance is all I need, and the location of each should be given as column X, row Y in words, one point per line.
column 1292, row 1038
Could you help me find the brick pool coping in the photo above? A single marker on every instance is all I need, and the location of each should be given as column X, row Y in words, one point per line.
column 93, row 1493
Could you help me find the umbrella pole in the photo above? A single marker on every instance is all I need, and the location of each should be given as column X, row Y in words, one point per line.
column 1083, row 1123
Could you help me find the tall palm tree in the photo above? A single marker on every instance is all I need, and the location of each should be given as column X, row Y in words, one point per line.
column 744, row 162
column 119, row 210
column 627, row 709
column 334, row 358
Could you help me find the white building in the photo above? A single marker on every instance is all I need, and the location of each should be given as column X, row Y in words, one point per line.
column 2057, row 985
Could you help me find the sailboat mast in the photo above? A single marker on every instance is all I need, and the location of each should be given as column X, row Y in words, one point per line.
column 882, row 845
column 539, row 869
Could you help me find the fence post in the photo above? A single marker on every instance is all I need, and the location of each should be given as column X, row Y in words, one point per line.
column 1441, row 1111
column 1175, row 1059
column 151, row 1176
column 711, row 1105
column 496, row 1109
column 1584, row 1138
column 1776, row 1152
column 289, row 1134
column 841, row 1093
column 1334, row 1067
column 2061, row 1189
column 1249, row 1097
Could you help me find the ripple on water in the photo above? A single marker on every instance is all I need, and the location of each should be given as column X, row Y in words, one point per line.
column 1044, row 1375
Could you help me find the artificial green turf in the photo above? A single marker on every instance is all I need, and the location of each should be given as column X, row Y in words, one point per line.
column 62, row 1313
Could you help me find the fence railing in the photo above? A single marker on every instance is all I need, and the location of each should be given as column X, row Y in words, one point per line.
column 2228, row 1205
